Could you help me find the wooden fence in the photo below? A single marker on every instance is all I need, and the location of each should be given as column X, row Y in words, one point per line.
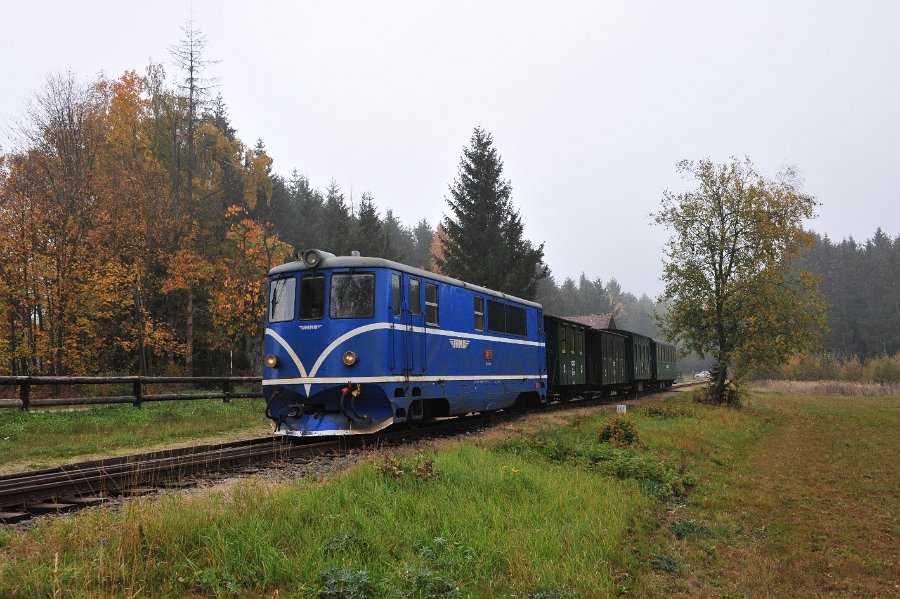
column 138, row 385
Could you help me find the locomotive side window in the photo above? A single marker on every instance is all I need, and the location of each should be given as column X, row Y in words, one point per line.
column 503, row 318
column 415, row 297
column 395, row 294
column 479, row 313
column 515, row 321
column 431, row 305
column 281, row 299
column 352, row 296
column 496, row 317
column 312, row 298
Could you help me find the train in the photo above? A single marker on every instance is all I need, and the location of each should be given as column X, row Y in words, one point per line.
column 354, row 344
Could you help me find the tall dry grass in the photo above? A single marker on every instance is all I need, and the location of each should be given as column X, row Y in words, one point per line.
column 832, row 387
column 881, row 370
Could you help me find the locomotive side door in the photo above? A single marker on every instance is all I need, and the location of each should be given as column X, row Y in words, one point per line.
column 415, row 316
column 397, row 318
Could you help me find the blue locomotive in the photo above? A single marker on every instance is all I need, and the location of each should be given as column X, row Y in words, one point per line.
column 354, row 344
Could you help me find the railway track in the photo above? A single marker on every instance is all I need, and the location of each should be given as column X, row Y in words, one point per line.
column 24, row 495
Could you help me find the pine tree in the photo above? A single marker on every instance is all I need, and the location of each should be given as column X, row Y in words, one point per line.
column 484, row 232
column 423, row 236
column 369, row 236
column 337, row 223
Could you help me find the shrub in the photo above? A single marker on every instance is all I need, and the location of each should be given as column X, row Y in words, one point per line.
column 663, row 563
column 424, row 469
column 689, row 528
column 389, row 466
column 426, row 583
column 621, row 432
column 420, row 467
column 345, row 584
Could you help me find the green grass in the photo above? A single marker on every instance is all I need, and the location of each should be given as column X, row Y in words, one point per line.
column 541, row 511
column 489, row 524
column 46, row 438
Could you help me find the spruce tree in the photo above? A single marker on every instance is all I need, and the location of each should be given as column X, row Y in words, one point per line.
column 370, row 237
column 336, row 221
column 484, row 233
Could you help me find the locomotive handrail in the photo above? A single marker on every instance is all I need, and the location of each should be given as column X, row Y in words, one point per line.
column 137, row 396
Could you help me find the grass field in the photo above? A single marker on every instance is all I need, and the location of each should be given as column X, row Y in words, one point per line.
column 42, row 439
column 791, row 496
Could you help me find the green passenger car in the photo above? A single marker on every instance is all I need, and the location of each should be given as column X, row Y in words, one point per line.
column 664, row 367
column 565, row 352
column 606, row 358
column 637, row 351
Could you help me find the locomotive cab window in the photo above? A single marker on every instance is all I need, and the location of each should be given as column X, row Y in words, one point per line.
column 312, row 298
column 352, row 295
column 479, row 313
column 415, row 297
column 431, row 305
column 281, row 299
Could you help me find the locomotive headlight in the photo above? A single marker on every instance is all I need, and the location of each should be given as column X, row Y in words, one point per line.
column 312, row 258
column 349, row 358
column 271, row 361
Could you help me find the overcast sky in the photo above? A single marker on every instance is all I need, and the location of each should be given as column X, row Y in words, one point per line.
column 590, row 104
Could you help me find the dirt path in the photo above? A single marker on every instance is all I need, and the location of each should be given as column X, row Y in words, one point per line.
column 814, row 511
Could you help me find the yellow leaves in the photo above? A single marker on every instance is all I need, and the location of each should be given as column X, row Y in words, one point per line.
column 187, row 269
column 258, row 179
column 238, row 297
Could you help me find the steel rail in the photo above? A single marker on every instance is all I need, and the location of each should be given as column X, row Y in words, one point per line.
column 118, row 475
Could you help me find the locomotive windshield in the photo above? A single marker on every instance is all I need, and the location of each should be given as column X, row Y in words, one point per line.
column 312, row 298
column 352, row 295
column 281, row 300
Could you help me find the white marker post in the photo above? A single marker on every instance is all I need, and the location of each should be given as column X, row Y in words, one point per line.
column 621, row 408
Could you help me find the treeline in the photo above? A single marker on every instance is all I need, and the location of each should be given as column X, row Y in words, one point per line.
column 136, row 230
column 861, row 285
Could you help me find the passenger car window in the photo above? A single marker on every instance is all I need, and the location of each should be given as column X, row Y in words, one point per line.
column 352, row 295
column 281, row 299
column 415, row 297
column 431, row 305
column 395, row 294
column 479, row 313
column 312, row 298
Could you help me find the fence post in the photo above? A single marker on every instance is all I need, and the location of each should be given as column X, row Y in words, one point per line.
column 25, row 394
column 137, row 390
column 226, row 391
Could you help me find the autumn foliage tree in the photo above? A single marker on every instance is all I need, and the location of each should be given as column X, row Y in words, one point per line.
column 238, row 300
column 733, row 287
column 136, row 227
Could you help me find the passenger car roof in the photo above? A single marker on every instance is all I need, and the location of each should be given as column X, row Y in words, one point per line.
column 366, row 262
